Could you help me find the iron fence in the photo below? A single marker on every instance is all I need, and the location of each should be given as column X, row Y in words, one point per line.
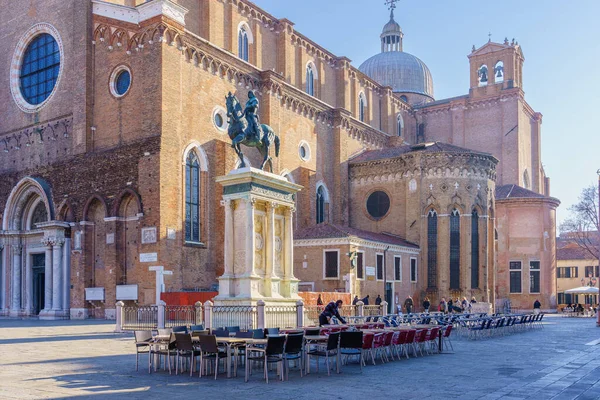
column 246, row 317
column 180, row 316
column 140, row 317
column 281, row 316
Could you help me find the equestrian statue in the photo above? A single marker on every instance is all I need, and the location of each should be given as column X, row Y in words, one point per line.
column 245, row 128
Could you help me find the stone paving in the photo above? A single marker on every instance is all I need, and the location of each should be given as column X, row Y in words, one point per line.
column 85, row 359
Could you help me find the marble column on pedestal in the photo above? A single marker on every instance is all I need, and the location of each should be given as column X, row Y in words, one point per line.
column 48, row 242
column 57, row 274
column 271, row 281
column 289, row 245
column 250, row 237
column 16, row 280
column 229, row 238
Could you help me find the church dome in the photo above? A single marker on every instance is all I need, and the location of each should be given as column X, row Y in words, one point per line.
column 402, row 71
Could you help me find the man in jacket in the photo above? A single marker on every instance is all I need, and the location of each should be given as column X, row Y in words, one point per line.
column 408, row 304
column 331, row 310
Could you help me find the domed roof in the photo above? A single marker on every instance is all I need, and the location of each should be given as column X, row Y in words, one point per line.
column 402, row 71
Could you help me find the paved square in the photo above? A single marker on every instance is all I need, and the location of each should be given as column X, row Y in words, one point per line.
column 84, row 359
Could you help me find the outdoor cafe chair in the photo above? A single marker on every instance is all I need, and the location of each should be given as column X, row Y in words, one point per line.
column 313, row 332
column 399, row 342
column 351, row 344
column 233, row 328
column 446, row 336
column 410, row 342
column 433, row 337
column 165, row 331
column 221, row 333
column 180, row 329
column 258, row 334
column 387, row 344
column 142, row 344
column 159, row 349
column 272, row 353
column 293, row 351
column 210, row 350
column 185, row 349
column 195, row 334
column 331, row 349
column 367, row 346
column 196, row 328
column 271, row 331
column 378, row 344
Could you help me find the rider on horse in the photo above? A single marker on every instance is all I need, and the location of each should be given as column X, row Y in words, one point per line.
column 254, row 131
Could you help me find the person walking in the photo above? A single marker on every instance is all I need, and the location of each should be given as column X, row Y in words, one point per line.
column 319, row 300
column 408, row 304
column 464, row 304
column 536, row 307
column 356, row 300
column 426, row 305
column 365, row 300
column 331, row 310
column 378, row 300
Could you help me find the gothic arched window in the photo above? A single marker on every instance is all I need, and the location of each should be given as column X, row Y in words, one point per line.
column 192, row 198
column 310, row 80
column 455, row 249
column 243, row 44
column 404, row 98
column 321, row 201
column 499, row 72
column 362, row 104
column 474, row 250
column 432, row 231
column 482, row 74
column 400, row 125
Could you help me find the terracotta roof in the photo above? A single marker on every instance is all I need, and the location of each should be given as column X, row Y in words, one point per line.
column 573, row 253
column 516, row 192
column 329, row 231
column 430, row 147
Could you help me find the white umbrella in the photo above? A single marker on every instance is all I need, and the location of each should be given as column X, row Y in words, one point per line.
column 583, row 290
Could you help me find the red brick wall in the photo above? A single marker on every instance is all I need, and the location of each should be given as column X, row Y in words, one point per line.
column 186, row 298
column 310, row 298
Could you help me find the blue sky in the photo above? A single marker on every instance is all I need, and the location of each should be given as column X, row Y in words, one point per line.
column 561, row 74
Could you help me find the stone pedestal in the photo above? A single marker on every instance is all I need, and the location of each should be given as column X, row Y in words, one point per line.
column 258, row 261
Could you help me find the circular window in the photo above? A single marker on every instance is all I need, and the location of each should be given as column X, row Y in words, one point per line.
column 219, row 119
column 120, row 81
column 304, row 151
column 36, row 67
column 378, row 204
column 39, row 70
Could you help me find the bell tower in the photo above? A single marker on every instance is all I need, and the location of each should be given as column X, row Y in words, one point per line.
column 495, row 67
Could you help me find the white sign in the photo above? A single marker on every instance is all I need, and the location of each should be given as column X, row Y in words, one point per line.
column 149, row 235
column 171, row 234
column 94, row 293
column 148, row 257
column 370, row 271
column 127, row 292
column 110, row 238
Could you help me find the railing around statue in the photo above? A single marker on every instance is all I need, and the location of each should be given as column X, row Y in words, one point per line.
column 311, row 313
column 371, row 311
column 140, row 318
column 180, row 316
column 246, row 317
column 281, row 316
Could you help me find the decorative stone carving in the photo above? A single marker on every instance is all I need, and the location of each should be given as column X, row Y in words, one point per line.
column 149, row 235
column 258, row 241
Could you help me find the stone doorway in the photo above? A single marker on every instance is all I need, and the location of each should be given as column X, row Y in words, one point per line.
column 38, row 265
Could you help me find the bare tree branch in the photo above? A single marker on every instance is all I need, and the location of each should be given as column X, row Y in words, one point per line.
column 582, row 226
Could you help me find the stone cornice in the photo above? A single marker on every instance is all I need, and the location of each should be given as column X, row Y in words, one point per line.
column 518, row 201
column 468, row 103
column 354, row 241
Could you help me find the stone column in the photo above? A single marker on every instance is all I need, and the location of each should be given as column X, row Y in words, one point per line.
column 16, row 280
column 250, row 237
column 66, row 302
column 47, row 242
column 229, row 238
column 288, row 269
column 2, row 277
column 269, row 232
column 28, row 285
column 57, row 294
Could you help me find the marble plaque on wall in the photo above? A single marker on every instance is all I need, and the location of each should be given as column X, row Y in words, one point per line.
column 149, row 235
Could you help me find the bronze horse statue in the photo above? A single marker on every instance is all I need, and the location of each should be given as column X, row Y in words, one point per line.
column 239, row 133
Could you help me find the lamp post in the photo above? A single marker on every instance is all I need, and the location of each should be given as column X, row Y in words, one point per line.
column 598, row 244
